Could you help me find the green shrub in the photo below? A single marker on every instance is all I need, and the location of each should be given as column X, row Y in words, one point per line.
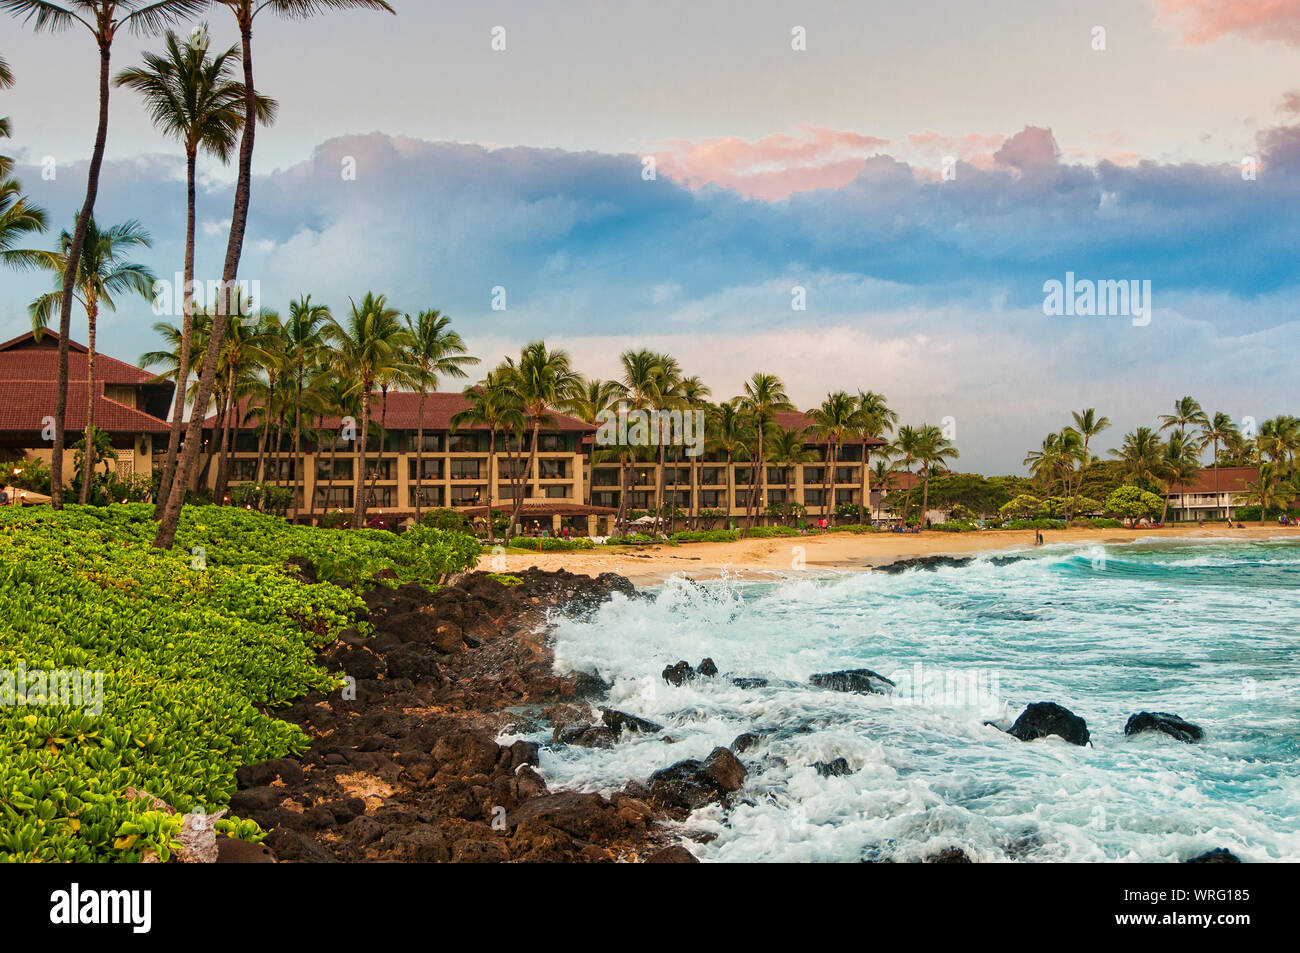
column 1034, row 524
column 705, row 536
column 955, row 527
column 445, row 519
column 551, row 544
column 765, row 532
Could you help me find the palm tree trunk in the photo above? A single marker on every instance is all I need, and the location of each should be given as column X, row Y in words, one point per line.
column 262, row 443
column 227, row 441
column 359, row 478
column 187, row 336
column 492, row 456
column 827, row 485
column 866, row 485
column 383, row 435
column 299, row 470
column 419, row 465
column 70, row 276
column 88, row 467
column 925, row 496
column 166, row 534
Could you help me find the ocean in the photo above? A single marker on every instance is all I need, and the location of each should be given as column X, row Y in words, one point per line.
column 1205, row 630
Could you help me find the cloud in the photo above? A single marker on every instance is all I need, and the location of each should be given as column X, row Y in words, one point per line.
column 1203, row 21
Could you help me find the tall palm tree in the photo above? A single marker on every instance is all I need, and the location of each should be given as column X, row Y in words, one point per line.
column 1178, row 465
column 788, row 450
column 244, row 12
column 909, row 447
column 592, row 398
column 882, row 470
column 642, row 377
column 877, row 422
column 368, row 349
column 730, row 435
column 195, row 99
column 543, row 381
column 1139, row 457
column 104, row 19
column 839, row 416
column 764, row 396
column 693, row 397
column 303, row 346
column 102, row 273
column 1279, row 440
column 1187, row 412
column 1216, row 429
column 935, row 451
column 494, row 405
column 250, row 346
column 669, row 389
column 1088, row 424
column 435, row 351
column 1271, row 486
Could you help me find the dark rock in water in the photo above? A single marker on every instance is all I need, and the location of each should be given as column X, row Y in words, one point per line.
column 853, row 680
column 744, row 742
column 589, row 685
column 1164, row 722
column 1005, row 560
column 679, row 674
column 618, row 722
column 749, row 682
column 672, row 855
column 1048, row 718
column 586, row 736
column 930, row 563
column 949, row 855
column 1220, row 855
column 689, row 784
column 707, row 668
column 833, row 769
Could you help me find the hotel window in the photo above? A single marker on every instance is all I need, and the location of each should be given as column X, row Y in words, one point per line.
column 556, row 492
column 713, row 499
column 243, row 471
column 743, row 476
column 342, row 470
column 380, row 496
column 505, row 491
column 812, row 497
column 814, row 474
column 712, row 476
column 553, row 443
column 678, row 476
column 467, row 442
column 604, row 477
column 846, row 475
column 775, row 496
column 641, row 501
column 466, row 495
column 432, row 469
column 428, row 495
column 845, row 496
column 379, row 469
column 681, row 498
column 607, row 499
column 334, row 497
column 465, row 469
column 776, row 475
column 553, row 469
column 433, row 442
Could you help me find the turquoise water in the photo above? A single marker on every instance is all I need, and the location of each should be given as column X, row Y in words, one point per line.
column 1204, row 630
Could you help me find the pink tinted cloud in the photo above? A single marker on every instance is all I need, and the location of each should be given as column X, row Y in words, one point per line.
column 1202, row 21
column 774, row 167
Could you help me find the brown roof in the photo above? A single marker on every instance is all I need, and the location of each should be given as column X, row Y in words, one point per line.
column 24, row 359
column 404, row 411
column 1231, row 480
column 24, row 405
column 794, row 420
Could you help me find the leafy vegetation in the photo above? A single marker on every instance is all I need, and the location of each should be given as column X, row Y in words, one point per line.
column 192, row 644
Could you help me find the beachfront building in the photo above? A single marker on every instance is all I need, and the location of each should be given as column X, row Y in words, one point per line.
column 1214, row 494
column 131, row 406
column 707, row 483
column 457, row 469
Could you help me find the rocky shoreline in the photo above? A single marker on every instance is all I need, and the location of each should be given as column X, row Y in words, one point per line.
column 404, row 764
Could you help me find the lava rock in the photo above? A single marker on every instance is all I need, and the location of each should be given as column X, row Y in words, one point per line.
column 1165, row 723
column 707, row 668
column 672, row 855
column 949, row 855
column 929, row 563
column 749, row 682
column 744, row 742
column 690, row 784
column 833, row 769
column 853, row 680
column 1048, row 718
column 231, row 850
column 679, row 674
column 618, row 722
column 1220, row 855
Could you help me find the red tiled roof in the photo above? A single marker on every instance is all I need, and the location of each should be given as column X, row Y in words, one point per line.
column 404, row 412
column 794, row 420
column 1231, row 480
column 24, row 404
column 23, row 359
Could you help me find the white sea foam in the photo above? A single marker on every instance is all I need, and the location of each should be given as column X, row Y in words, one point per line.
column 1204, row 630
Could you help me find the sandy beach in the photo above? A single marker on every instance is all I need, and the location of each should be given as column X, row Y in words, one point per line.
column 651, row 565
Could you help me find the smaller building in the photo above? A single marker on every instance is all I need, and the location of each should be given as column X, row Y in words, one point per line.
column 1214, row 494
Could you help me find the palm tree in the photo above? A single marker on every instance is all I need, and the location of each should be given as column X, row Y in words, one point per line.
column 1178, row 466
column 368, row 349
column 877, row 421
column 104, row 19
column 881, row 471
column 669, row 390
column 591, row 399
column 788, row 449
column 935, row 450
column 764, row 396
column 18, row 217
column 693, row 397
column 1187, row 412
column 1279, row 440
column 839, row 416
column 435, row 351
column 1215, row 430
column 194, row 99
column 495, row 405
column 1139, row 457
column 909, row 447
column 542, row 381
column 642, row 377
column 303, row 348
column 102, row 273
column 732, row 436
column 245, row 12
column 1268, row 488
column 250, row 345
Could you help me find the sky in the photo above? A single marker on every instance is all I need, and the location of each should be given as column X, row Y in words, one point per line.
column 915, row 173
